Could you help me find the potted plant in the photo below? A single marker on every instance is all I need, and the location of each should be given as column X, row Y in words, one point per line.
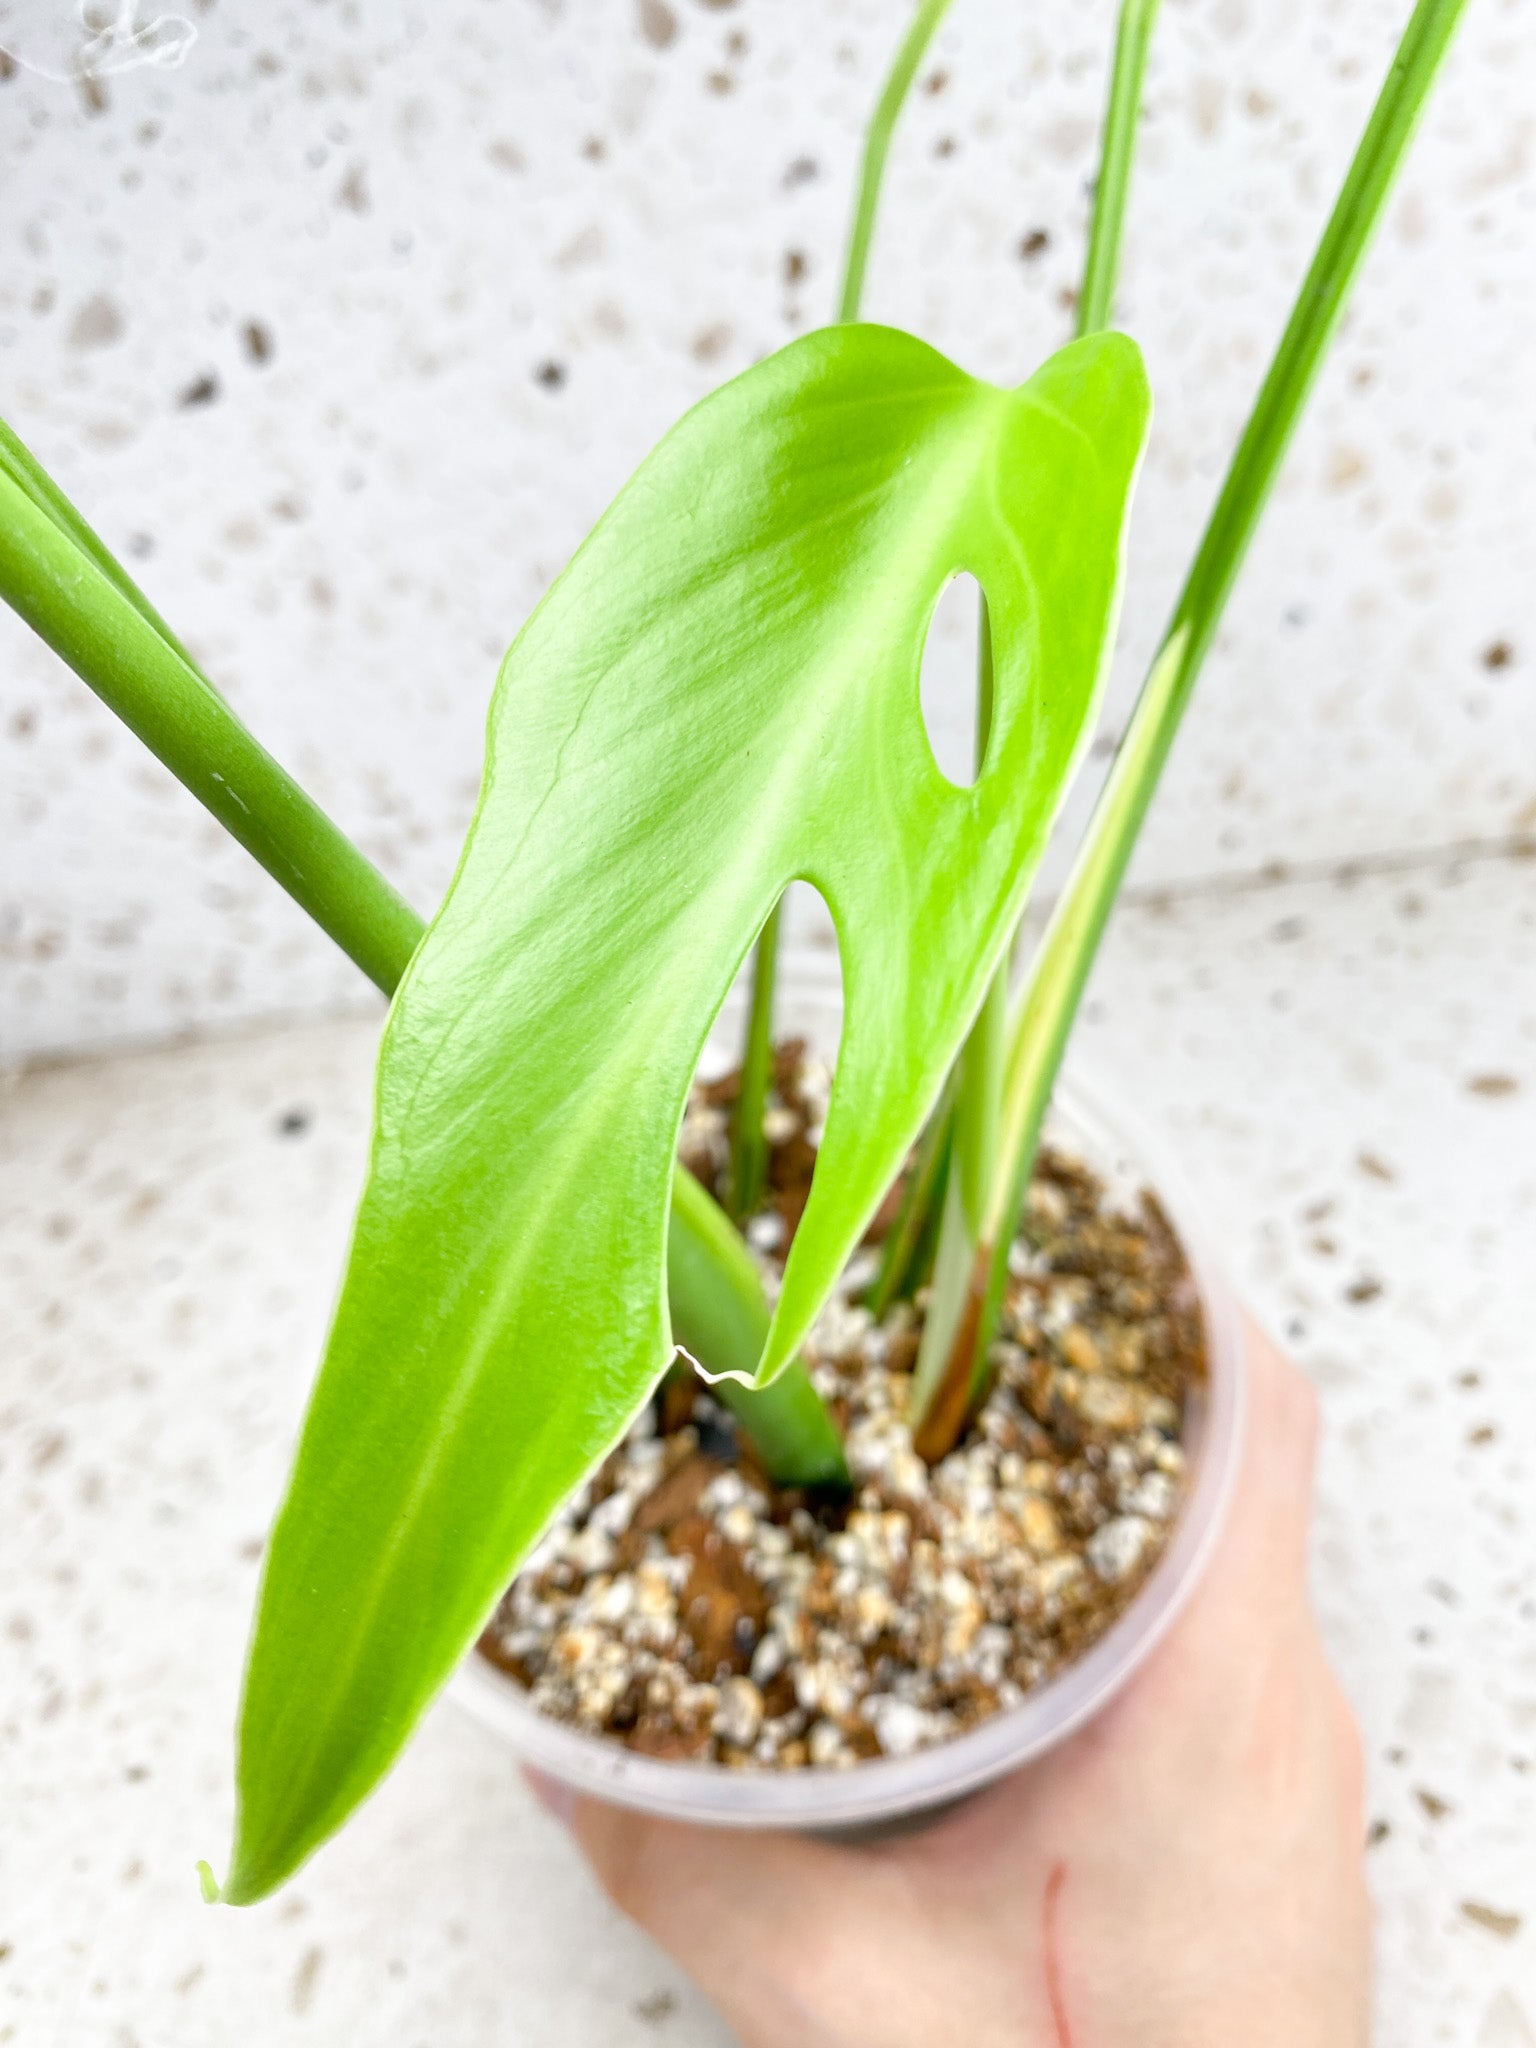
column 850, row 1457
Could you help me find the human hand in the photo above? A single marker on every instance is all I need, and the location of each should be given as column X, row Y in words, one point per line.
column 1185, row 1872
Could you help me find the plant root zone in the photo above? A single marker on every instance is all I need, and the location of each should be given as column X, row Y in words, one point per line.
column 685, row 1607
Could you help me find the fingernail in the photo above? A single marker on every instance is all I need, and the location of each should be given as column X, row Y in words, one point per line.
column 557, row 1800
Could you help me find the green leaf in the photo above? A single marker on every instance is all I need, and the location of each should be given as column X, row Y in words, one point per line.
column 720, row 694
column 64, row 583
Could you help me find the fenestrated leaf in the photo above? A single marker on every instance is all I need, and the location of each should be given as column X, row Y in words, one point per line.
column 721, row 693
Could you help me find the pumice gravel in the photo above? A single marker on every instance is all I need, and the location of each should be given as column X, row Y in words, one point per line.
column 685, row 1607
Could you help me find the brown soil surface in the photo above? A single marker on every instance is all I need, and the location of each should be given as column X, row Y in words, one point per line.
column 685, row 1607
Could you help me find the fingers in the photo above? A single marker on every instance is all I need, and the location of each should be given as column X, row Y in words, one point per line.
column 766, row 1923
column 717, row 1899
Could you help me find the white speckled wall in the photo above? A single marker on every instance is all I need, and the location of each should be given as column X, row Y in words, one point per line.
column 344, row 332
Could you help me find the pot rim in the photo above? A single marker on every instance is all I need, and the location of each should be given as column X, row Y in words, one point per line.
column 885, row 1789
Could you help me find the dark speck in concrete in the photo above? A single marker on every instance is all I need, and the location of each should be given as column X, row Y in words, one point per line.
column 293, row 1123
column 1493, row 1086
column 550, row 374
column 202, row 390
column 141, row 546
column 1034, row 244
column 48, row 1450
column 136, row 1773
column 305, row 1978
column 1505, row 1925
column 258, row 341
column 1499, row 655
column 795, row 266
column 1363, row 1290
column 802, row 171
column 658, row 24
column 352, row 192
column 936, row 81
column 659, row 2006
column 97, row 324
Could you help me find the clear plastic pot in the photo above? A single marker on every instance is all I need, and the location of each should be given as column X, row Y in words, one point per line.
column 889, row 1790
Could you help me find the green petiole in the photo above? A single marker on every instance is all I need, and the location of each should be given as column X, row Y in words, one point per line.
column 1039, row 1032
column 1117, row 156
column 877, row 145
column 749, row 1141
column 56, row 573
column 900, row 1252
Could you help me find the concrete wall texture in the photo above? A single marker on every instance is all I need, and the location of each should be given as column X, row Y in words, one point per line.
column 344, row 330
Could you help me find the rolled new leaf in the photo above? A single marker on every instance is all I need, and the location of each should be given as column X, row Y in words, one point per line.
column 720, row 694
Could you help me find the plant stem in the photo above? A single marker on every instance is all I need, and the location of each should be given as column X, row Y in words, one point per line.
column 953, row 1349
column 720, row 1317
column 53, row 572
column 925, row 1186
column 1117, row 155
column 749, row 1143
column 748, row 1150
column 877, row 144
column 1060, row 969
column 61, row 579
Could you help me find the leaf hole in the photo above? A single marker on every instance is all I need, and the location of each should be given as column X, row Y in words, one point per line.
column 950, row 696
